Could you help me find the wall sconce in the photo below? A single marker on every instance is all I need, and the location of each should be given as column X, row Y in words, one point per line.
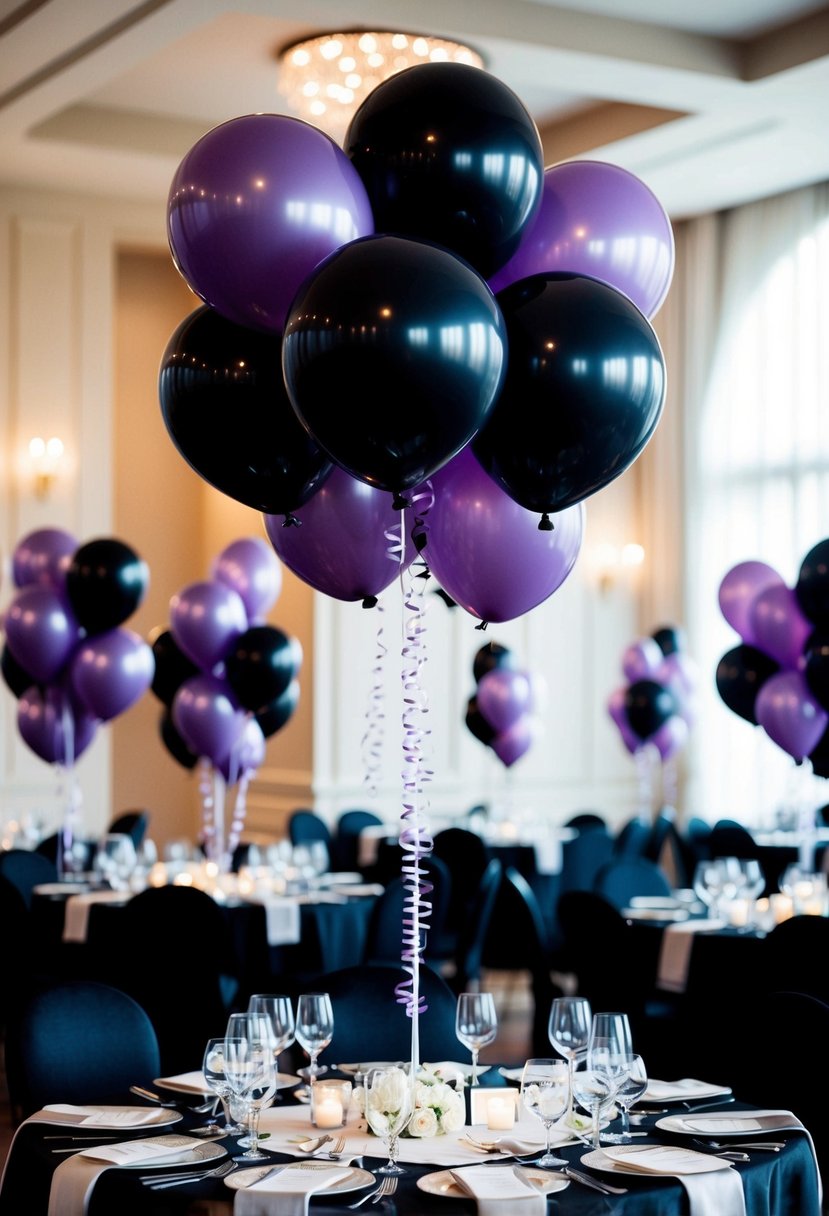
column 612, row 562
column 45, row 457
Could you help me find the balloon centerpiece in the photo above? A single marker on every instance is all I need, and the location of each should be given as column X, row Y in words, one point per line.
column 67, row 656
column 504, row 711
column 655, row 710
column 227, row 681
column 409, row 345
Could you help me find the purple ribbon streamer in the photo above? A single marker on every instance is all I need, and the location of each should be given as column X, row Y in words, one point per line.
column 372, row 741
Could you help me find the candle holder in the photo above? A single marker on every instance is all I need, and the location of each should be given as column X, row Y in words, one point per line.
column 330, row 1100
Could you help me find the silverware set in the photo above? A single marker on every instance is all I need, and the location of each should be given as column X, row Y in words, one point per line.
column 384, row 1191
column 593, row 1183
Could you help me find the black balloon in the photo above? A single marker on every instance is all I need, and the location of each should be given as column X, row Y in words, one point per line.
column 741, row 673
column 816, row 667
column 449, row 153
column 669, row 639
column 648, row 706
column 261, row 664
column 490, row 656
column 172, row 667
column 477, row 723
column 583, row 393
column 225, row 407
column 393, row 354
column 105, row 582
column 812, row 586
column 174, row 743
column 274, row 716
column 15, row 676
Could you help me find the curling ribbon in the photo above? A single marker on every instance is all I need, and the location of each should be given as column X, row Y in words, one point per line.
column 372, row 741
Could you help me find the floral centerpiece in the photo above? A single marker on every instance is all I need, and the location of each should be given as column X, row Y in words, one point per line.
column 439, row 1106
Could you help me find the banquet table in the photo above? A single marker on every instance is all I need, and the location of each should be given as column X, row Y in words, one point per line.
column 781, row 1183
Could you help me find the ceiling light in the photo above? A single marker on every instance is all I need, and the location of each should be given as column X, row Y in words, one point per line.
column 325, row 78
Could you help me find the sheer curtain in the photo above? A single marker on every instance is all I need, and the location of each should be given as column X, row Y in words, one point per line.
column 752, row 343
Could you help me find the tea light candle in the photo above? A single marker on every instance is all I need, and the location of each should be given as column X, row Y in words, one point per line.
column 500, row 1114
column 328, row 1112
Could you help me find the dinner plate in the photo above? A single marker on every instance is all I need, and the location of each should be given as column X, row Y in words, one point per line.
column 354, row 1180
column 740, row 1124
column 597, row 1159
column 154, row 1118
column 187, row 1083
column 353, row 1069
column 193, row 1152
column 442, row 1183
column 686, row 1090
column 62, row 888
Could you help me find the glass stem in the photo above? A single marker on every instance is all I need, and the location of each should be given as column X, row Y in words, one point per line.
column 392, row 1149
column 571, row 1068
column 596, row 1139
column 253, row 1125
column 474, row 1064
column 625, row 1122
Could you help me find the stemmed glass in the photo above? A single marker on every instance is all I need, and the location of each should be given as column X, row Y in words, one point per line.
column 545, row 1087
column 634, row 1083
column 314, row 1029
column 280, row 1014
column 610, row 1050
column 213, row 1067
column 388, row 1107
column 251, row 1073
column 594, row 1090
column 568, row 1030
column 115, row 859
column 476, row 1023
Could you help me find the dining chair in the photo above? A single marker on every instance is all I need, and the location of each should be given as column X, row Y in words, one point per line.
column 306, row 827
column 466, row 855
column 25, row 869
column 582, row 857
column 133, row 824
column 585, row 820
column 346, row 838
column 620, row 879
column 464, row 969
column 384, row 939
column 632, row 837
column 797, row 951
column 78, row 1041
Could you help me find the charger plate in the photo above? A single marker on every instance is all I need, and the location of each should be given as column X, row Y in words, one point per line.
column 354, row 1180
column 442, row 1183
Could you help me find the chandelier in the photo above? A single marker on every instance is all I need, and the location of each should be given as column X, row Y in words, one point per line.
column 325, row 78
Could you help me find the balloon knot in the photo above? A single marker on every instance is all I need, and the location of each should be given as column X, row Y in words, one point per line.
column 420, row 540
column 370, row 601
column 291, row 521
column 546, row 524
column 399, row 502
column 482, row 626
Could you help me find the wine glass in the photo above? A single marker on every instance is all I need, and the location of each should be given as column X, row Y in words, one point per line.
column 634, row 1083
column 251, row 1074
column 314, row 1029
column 545, row 1088
column 389, row 1102
column 593, row 1089
column 280, row 1014
column 213, row 1067
column 245, row 1026
column 115, row 859
column 752, row 885
column 476, row 1023
column 610, row 1048
column 568, row 1030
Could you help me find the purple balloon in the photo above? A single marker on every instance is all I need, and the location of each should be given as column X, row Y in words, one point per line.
column 504, row 696
column 670, row 737
column 618, row 713
column 43, row 557
column 738, row 590
column 342, row 548
column 680, row 673
column 778, row 625
column 250, row 567
column 641, row 660
column 789, row 714
column 206, row 618
column 254, row 207
column 600, row 220
column 487, row 551
column 208, row 717
column 52, row 727
column 511, row 744
column 110, row 671
column 41, row 631
column 248, row 753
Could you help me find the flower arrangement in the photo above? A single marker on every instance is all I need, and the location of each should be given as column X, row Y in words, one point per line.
column 439, row 1107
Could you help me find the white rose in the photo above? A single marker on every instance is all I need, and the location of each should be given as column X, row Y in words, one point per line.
column 423, row 1122
column 454, row 1116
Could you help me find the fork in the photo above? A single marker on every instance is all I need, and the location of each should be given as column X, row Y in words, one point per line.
column 160, row 1182
column 336, row 1151
column 388, row 1188
column 770, row 1146
column 594, row 1183
column 379, row 1192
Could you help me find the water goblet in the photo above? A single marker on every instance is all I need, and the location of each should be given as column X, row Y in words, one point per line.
column 213, row 1067
column 280, row 1014
column 314, row 1029
column 476, row 1023
column 545, row 1088
column 633, row 1084
column 389, row 1103
column 568, row 1030
column 593, row 1090
column 251, row 1074
column 115, row 859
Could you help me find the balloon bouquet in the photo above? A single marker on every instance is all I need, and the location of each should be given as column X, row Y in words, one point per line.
column 656, row 708
column 777, row 677
column 67, row 657
column 227, row 681
column 503, row 711
column 423, row 336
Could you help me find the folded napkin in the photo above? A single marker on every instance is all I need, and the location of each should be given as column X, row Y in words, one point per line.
column 282, row 921
column 493, row 1187
column 669, row 1091
column 101, row 1116
column 675, row 951
column 192, row 1082
column 74, row 1179
column 754, row 1121
column 288, row 1193
column 664, row 1159
column 513, row 1146
column 76, row 911
column 548, row 856
column 716, row 1194
column 711, row 1191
